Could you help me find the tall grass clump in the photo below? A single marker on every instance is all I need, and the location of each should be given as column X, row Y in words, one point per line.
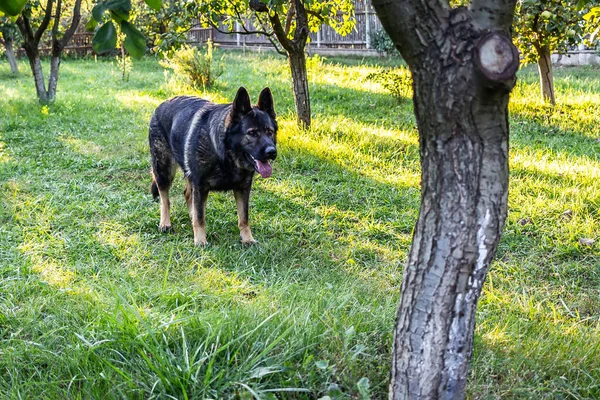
column 195, row 65
column 398, row 82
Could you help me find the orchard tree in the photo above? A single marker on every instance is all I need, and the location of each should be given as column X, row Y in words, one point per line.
column 49, row 16
column 463, row 65
column 546, row 27
column 166, row 28
column 9, row 34
column 287, row 23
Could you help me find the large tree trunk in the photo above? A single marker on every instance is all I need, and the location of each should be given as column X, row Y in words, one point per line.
column 545, row 70
column 297, row 61
column 462, row 77
column 10, row 54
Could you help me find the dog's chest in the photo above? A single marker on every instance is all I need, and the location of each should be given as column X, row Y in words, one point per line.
column 223, row 178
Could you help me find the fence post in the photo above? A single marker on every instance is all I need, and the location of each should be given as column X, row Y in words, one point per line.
column 319, row 37
column 367, row 26
column 237, row 35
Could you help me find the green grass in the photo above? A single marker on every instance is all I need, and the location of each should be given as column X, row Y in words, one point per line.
column 96, row 303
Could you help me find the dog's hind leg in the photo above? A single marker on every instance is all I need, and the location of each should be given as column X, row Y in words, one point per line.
column 187, row 193
column 197, row 209
column 242, row 199
column 163, row 172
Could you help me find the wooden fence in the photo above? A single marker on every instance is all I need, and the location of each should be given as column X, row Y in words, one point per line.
column 326, row 38
column 80, row 45
column 359, row 39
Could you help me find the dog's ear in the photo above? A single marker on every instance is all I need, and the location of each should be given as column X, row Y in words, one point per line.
column 265, row 102
column 241, row 105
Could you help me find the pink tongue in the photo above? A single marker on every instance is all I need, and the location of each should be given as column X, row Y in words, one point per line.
column 264, row 168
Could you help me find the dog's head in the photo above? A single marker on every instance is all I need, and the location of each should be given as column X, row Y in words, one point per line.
column 252, row 133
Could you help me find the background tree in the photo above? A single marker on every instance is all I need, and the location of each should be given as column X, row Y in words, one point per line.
column 166, row 29
column 546, row 27
column 9, row 34
column 287, row 23
column 463, row 65
column 51, row 16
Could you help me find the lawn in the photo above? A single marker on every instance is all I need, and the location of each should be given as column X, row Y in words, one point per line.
column 96, row 303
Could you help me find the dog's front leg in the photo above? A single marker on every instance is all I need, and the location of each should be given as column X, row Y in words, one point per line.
column 242, row 198
column 197, row 211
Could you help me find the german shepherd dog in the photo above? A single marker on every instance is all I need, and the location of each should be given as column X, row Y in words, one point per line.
column 218, row 147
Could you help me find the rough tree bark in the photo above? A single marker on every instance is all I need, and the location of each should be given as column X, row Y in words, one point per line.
column 31, row 43
column 545, row 70
column 463, row 65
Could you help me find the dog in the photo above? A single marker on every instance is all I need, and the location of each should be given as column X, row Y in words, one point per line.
column 219, row 147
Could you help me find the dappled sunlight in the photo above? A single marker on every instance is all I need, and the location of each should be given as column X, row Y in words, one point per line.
column 125, row 247
column 41, row 244
column 217, row 282
column 4, row 154
column 385, row 156
column 134, row 99
column 81, row 146
column 354, row 78
column 551, row 164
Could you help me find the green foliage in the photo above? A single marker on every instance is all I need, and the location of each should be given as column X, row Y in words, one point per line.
column 396, row 81
column 166, row 29
column 8, row 30
column 593, row 25
column 12, row 8
column 381, row 42
column 338, row 14
column 195, row 65
column 105, row 39
column 551, row 24
column 106, row 12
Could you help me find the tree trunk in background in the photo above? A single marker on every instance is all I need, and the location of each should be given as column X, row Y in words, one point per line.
column 297, row 61
column 31, row 42
column 545, row 70
column 53, row 80
column 294, row 49
column 38, row 73
column 462, row 76
column 10, row 54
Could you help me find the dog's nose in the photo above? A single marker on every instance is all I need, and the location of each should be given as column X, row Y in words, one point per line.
column 271, row 152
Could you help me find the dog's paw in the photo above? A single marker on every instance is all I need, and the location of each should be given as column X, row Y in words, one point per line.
column 248, row 242
column 200, row 243
column 166, row 228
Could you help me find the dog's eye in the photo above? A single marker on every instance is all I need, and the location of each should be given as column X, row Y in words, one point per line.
column 253, row 132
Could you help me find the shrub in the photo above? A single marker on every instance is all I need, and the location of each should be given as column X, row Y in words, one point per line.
column 194, row 65
column 398, row 82
column 381, row 42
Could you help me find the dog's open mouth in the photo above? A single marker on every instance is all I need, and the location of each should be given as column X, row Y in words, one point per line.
column 264, row 168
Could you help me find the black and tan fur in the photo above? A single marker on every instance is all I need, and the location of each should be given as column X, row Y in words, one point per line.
column 218, row 147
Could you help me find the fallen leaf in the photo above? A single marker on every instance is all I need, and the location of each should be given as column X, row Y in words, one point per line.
column 586, row 242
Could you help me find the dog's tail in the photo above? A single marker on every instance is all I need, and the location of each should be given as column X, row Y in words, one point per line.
column 154, row 190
